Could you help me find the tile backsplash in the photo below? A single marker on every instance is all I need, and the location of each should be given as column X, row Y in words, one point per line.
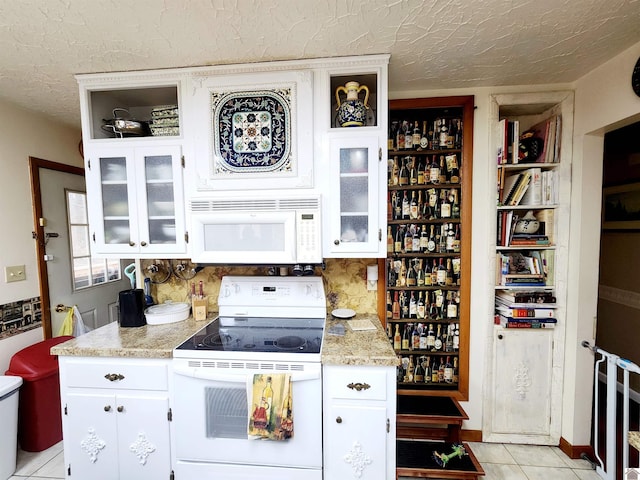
column 344, row 282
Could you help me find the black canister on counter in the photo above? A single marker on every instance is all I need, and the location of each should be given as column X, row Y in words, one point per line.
column 131, row 308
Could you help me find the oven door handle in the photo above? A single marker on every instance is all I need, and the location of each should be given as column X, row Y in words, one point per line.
column 216, row 375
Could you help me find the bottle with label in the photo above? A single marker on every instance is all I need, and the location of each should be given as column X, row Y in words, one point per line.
column 457, row 140
column 408, row 136
column 455, row 378
column 419, row 273
column 415, row 240
column 434, row 273
column 431, row 242
column 437, row 344
column 402, row 275
column 397, row 207
column 395, row 172
column 389, row 305
column 404, row 305
column 406, row 206
column 445, row 204
column 267, row 399
column 395, row 308
column 415, row 336
column 434, row 170
column 448, row 343
column 413, row 206
column 443, row 171
column 449, row 279
column 441, row 371
column 452, row 168
column 455, row 204
column 391, row 138
column 411, row 368
column 451, row 133
column 424, row 139
column 452, row 307
column 456, row 240
column 441, row 274
column 448, row 371
column 422, row 341
column 408, row 239
column 427, row 370
column 427, row 274
column 431, row 337
column 399, row 143
column 413, row 308
column 397, row 339
column 456, row 338
column 403, row 175
column 424, row 239
column 418, row 376
column 420, row 205
column 413, row 170
column 405, row 338
column 411, row 275
column 421, row 171
column 390, row 240
column 398, row 244
column 443, row 133
column 435, row 368
column 416, row 136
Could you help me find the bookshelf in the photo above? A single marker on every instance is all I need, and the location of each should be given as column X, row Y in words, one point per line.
column 531, row 141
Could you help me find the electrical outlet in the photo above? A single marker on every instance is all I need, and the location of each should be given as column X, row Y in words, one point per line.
column 15, row 273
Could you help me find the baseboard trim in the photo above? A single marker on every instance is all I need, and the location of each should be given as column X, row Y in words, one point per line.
column 576, row 451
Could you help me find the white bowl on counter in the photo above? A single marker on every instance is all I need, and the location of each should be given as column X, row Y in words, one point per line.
column 167, row 313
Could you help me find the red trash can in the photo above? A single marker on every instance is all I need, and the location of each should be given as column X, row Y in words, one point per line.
column 39, row 417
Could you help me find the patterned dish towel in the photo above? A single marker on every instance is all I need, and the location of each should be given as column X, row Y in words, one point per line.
column 270, row 403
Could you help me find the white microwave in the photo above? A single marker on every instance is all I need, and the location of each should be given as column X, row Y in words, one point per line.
column 268, row 230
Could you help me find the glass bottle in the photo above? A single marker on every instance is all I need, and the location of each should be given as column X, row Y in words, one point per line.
column 410, row 369
column 403, row 175
column 408, row 136
column 424, row 139
column 395, row 310
column 455, row 378
column 431, row 242
column 411, row 275
column 443, row 171
column 415, row 337
column 405, row 338
column 418, row 376
column 389, row 305
column 399, row 240
column 419, row 274
column 448, row 371
column 390, row 240
column 431, row 337
column 408, row 239
column 427, row 370
column 413, row 206
column 395, row 172
column 416, row 136
column 413, row 170
column 406, row 206
column 415, row 240
column 437, row 344
column 397, row 339
column 434, row 171
column 422, row 341
column 452, row 168
column 434, row 371
column 441, row 274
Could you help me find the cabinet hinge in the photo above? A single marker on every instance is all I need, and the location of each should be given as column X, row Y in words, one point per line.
column 65, row 409
column 88, row 164
column 388, row 425
column 170, row 415
column 69, row 471
column 93, row 235
column 182, row 160
column 186, row 237
column 379, row 154
column 172, row 476
column 379, row 234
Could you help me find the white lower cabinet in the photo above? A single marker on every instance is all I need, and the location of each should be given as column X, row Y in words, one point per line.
column 115, row 417
column 359, row 422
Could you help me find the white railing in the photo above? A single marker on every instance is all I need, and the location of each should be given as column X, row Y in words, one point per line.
column 611, row 362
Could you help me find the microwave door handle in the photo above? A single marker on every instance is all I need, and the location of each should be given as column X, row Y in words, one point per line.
column 216, row 375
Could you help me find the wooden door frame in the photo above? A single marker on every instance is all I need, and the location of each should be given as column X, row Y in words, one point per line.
column 35, row 164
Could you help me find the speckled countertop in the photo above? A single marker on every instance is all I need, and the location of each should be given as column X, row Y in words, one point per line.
column 362, row 347
column 149, row 341
column 365, row 347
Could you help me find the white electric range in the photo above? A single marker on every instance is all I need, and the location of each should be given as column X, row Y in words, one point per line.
column 267, row 326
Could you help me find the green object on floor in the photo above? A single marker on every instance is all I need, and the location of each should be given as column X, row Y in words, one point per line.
column 442, row 458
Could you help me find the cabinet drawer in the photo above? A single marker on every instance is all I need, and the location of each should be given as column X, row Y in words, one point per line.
column 121, row 375
column 357, row 384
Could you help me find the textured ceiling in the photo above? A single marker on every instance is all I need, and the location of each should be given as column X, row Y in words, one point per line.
column 433, row 43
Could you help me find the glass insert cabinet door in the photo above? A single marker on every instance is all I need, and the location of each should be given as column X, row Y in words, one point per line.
column 354, row 212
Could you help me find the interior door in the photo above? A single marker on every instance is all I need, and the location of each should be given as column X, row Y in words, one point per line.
column 97, row 304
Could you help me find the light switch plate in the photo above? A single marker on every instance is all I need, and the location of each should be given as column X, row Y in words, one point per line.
column 15, row 273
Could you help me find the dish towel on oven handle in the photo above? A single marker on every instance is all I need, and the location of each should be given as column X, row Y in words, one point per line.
column 270, row 406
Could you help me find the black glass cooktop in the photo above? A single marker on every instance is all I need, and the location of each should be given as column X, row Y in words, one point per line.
column 240, row 334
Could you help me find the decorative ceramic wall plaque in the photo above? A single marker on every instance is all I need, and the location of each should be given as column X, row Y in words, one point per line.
column 253, row 131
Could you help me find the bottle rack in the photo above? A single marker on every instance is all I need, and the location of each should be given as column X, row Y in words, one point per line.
column 428, row 235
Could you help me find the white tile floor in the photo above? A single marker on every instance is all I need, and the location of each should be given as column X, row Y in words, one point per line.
column 499, row 461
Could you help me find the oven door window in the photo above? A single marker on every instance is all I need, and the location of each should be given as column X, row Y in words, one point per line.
column 226, row 414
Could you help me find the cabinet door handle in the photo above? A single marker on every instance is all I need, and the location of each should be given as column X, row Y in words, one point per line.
column 500, row 337
column 120, row 408
column 339, row 420
column 112, row 377
column 107, row 408
column 132, row 244
column 144, row 244
column 336, row 242
column 359, row 386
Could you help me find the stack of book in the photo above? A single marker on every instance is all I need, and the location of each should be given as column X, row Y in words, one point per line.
column 525, row 309
column 506, row 235
column 547, row 132
column 521, row 269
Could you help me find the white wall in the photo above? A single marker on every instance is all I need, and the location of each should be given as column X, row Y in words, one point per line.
column 604, row 101
column 24, row 134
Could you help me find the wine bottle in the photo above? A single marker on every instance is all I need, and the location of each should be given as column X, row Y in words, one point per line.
column 415, row 337
column 422, row 341
column 434, row 212
column 410, row 370
column 448, row 343
column 418, row 376
column 420, row 205
column 456, row 338
column 442, row 179
column 419, row 275
column 408, row 239
column 413, row 171
column 443, row 134
column 450, row 238
column 424, row 139
column 441, row 275
column 427, row 274
column 431, row 242
column 421, row 172
column 450, row 133
column 449, row 274
column 397, row 206
column 441, row 371
column 413, row 311
column 455, row 378
column 424, row 239
column 392, row 275
column 400, row 136
column 404, row 305
column 413, row 206
column 431, row 337
column 456, row 240
column 406, row 206
column 434, row 371
column 452, row 308
column 395, row 172
column 441, row 239
column 448, row 371
column 395, row 312
column 390, row 196
column 405, row 338
column 390, row 240
column 434, row 272
column 417, row 136
column 399, row 240
column 411, row 276
column 455, row 205
column 391, row 140
column 445, row 204
column 403, row 274
column 403, row 175
column 389, row 305
column 437, row 343
column 427, row 370
column 439, row 304
column 408, row 136
column 452, row 168
column 415, row 245
column 397, row 339
column 434, row 171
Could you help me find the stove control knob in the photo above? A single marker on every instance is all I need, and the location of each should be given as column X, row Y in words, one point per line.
column 339, row 420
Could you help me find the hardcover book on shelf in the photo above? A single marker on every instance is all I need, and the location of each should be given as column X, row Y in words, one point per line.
column 521, row 297
column 521, row 188
column 532, row 312
column 533, row 194
column 509, row 185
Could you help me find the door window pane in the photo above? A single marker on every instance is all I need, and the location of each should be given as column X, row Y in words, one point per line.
column 86, row 270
